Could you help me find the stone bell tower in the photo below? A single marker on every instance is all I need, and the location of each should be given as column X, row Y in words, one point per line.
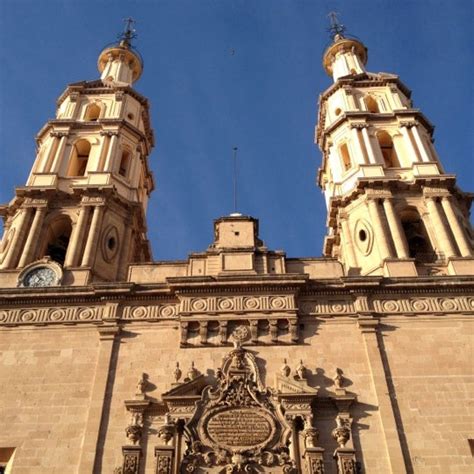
column 392, row 210
column 84, row 203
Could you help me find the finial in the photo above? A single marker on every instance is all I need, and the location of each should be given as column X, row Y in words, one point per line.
column 336, row 29
column 128, row 33
column 177, row 373
column 285, row 369
column 234, row 149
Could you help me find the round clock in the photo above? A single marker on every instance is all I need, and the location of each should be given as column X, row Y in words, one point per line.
column 41, row 274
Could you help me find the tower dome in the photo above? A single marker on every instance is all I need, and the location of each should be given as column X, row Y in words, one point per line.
column 119, row 63
column 345, row 56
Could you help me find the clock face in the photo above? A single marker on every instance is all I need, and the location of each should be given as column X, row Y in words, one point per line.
column 40, row 276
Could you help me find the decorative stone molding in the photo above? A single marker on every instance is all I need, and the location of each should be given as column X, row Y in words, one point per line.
column 400, row 304
column 151, row 312
column 54, row 315
column 236, row 304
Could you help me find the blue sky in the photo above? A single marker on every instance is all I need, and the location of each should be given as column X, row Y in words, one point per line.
column 224, row 73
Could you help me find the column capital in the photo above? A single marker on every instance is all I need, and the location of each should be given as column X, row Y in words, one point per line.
column 93, row 201
column 59, row 134
column 359, row 126
column 408, row 123
column 435, row 192
column 378, row 194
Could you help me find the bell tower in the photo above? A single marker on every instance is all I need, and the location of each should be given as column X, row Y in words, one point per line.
column 392, row 210
column 85, row 200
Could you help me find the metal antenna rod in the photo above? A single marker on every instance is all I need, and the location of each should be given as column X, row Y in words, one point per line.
column 235, row 178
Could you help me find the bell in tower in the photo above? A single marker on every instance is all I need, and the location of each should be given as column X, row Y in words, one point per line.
column 83, row 207
column 392, row 210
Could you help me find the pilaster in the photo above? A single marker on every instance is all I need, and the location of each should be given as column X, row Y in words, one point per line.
column 368, row 326
column 89, row 460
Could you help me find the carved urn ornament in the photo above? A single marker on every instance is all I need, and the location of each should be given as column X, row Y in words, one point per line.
column 342, row 432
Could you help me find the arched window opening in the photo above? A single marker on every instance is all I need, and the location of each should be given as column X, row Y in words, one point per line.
column 124, row 163
column 79, row 158
column 345, row 157
column 57, row 239
column 92, row 113
column 419, row 245
column 372, row 105
column 389, row 153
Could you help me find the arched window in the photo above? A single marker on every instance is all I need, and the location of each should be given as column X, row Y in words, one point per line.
column 419, row 245
column 57, row 239
column 372, row 105
column 345, row 157
column 124, row 163
column 388, row 150
column 92, row 113
column 79, row 158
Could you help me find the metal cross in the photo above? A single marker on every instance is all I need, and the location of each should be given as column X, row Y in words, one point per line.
column 128, row 32
column 336, row 28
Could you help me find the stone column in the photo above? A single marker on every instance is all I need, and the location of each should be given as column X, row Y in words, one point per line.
column 419, row 142
column 396, row 230
column 111, row 152
column 33, row 237
column 103, row 150
column 368, row 326
column 410, row 147
column 368, row 147
column 453, row 220
column 381, row 236
column 89, row 461
column 349, row 245
column 72, row 254
column 93, row 237
column 59, row 153
column 443, row 238
column 17, row 242
column 356, row 139
column 44, row 165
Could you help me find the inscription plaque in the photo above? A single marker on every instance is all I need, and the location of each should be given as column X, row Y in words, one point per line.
column 242, row 428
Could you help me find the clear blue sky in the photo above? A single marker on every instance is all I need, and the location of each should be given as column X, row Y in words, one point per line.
column 205, row 100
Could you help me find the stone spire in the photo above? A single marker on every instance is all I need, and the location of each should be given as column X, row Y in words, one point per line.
column 392, row 210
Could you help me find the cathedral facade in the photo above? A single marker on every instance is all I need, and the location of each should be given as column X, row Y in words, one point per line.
column 237, row 359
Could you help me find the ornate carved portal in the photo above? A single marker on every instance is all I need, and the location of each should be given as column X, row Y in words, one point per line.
column 233, row 423
column 236, row 425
